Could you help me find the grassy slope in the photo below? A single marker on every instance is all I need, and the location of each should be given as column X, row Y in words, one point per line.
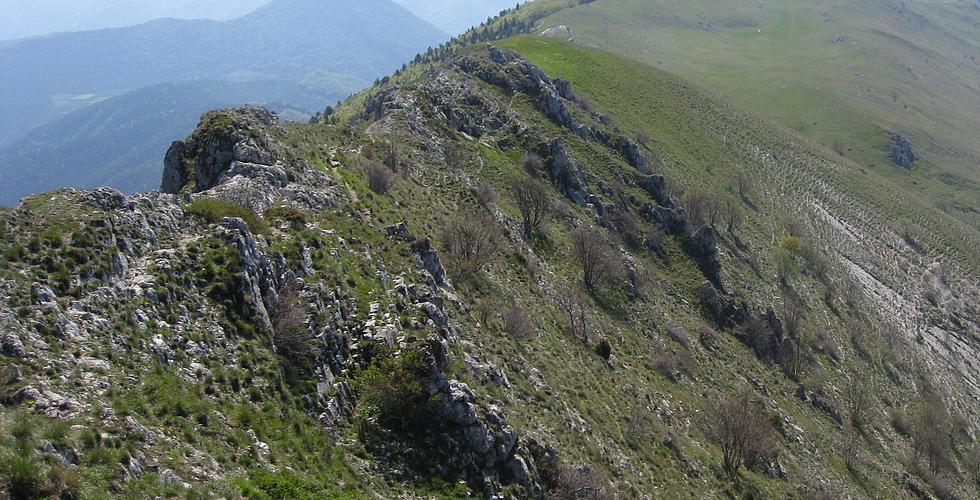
column 842, row 73
column 689, row 130
column 587, row 408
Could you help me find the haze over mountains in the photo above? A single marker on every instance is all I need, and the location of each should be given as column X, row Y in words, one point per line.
column 320, row 51
column 456, row 16
column 24, row 18
column 521, row 267
column 68, row 118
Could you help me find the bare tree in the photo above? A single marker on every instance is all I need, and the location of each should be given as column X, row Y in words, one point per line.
column 290, row 326
column 696, row 204
column 390, row 156
column 517, row 321
column 575, row 309
column 714, row 211
column 933, row 436
column 471, row 242
column 534, row 204
column 742, row 185
column 741, row 427
column 733, row 217
column 379, row 178
column 485, row 195
column 860, row 403
column 598, row 263
column 533, row 163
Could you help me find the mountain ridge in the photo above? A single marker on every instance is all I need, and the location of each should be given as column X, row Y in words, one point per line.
column 519, row 269
column 415, row 365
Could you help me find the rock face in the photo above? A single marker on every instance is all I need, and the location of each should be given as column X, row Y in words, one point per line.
column 901, row 152
column 230, row 156
column 725, row 310
column 568, row 174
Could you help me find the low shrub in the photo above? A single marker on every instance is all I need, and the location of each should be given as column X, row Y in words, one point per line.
column 214, row 211
column 380, row 178
column 672, row 365
column 392, row 390
column 679, row 335
column 295, row 218
column 23, row 476
column 517, row 321
column 583, row 483
column 709, row 337
column 265, row 485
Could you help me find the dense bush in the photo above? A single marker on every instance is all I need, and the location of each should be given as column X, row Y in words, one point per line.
column 295, row 218
column 604, row 349
column 214, row 211
column 266, row 485
column 23, row 477
column 392, row 390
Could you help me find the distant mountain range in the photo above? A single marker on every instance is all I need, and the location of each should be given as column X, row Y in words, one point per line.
column 121, row 141
column 40, row 17
column 457, row 16
column 306, row 53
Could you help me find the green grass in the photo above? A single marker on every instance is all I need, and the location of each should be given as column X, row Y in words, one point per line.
column 214, row 211
column 841, row 74
column 625, row 417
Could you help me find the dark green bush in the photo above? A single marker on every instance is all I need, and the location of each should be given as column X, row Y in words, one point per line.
column 392, row 389
column 23, row 477
column 214, row 210
column 295, row 218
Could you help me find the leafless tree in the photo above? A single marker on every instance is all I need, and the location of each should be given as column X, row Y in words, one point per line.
column 795, row 353
column 714, row 211
column 290, row 326
column 485, row 195
column 533, row 163
column 741, row 427
column 534, row 204
column 933, row 436
column 599, row 265
column 696, row 204
column 733, row 217
column 379, row 178
column 574, row 307
column 517, row 321
column 860, row 403
column 742, row 185
column 471, row 242
column 390, row 156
